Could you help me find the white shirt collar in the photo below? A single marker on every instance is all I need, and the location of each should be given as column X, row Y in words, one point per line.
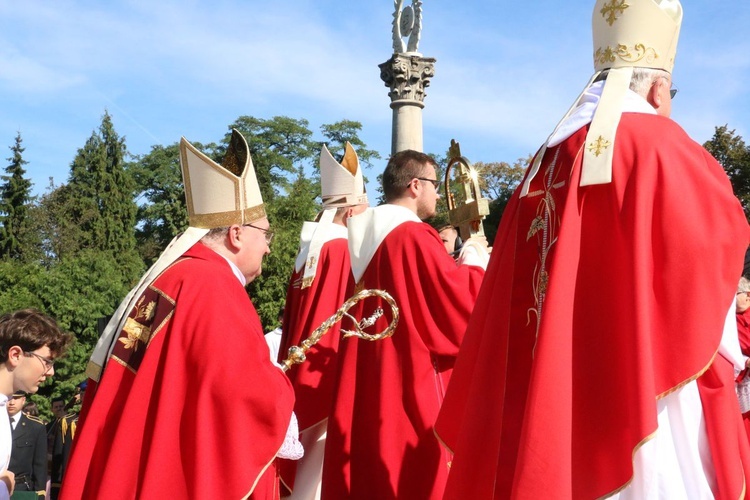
column 235, row 270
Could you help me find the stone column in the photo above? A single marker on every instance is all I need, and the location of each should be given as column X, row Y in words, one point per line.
column 407, row 75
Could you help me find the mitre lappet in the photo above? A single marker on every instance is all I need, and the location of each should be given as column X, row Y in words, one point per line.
column 627, row 34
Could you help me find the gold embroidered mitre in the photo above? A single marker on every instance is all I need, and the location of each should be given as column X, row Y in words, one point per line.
column 342, row 183
column 636, row 33
column 221, row 195
column 627, row 34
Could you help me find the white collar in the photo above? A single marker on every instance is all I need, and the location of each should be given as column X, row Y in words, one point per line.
column 235, row 270
column 368, row 230
column 587, row 104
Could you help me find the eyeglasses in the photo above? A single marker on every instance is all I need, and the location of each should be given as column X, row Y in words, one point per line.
column 48, row 363
column 435, row 182
column 672, row 91
column 267, row 232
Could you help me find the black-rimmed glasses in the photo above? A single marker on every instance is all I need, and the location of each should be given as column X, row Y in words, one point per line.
column 435, row 182
column 266, row 232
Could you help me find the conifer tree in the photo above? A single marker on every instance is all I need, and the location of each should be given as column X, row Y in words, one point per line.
column 15, row 195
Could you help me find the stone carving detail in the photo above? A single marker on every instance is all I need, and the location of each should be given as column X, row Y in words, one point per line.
column 407, row 76
column 407, row 23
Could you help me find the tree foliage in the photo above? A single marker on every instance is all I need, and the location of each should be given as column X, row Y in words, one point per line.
column 731, row 152
column 15, row 195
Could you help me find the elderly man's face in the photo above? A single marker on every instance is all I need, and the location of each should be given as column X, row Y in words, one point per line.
column 254, row 248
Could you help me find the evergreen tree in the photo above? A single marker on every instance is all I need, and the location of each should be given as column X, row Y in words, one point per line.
column 731, row 152
column 162, row 213
column 97, row 204
column 15, row 195
column 277, row 146
column 343, row 131
column 286, row 214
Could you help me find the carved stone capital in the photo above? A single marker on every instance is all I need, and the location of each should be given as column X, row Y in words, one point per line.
column 407, row 76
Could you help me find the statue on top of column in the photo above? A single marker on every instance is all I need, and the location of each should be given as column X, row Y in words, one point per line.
column 407, row 22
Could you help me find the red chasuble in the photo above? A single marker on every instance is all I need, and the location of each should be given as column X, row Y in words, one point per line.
column 380, row 440
column 188, row 405
column 305, row 310
column 598, row 301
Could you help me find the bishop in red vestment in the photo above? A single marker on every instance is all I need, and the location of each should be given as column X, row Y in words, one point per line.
column 380, row 440
column 316, row 290
column 599, row 361
column 188, row 404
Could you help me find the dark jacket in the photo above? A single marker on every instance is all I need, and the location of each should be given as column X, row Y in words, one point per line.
column 28, row 457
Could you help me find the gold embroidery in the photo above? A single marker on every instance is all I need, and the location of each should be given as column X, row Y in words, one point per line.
column 597, row 147
column 536, row 225
column 612, row 9
column 311, row 261
column 359, row 286
column 637, row 53
column 136, row 332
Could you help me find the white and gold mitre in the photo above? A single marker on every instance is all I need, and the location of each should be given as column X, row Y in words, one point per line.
column 626, row 34
column 636, row 33
column 221, row 195
column 341, row 184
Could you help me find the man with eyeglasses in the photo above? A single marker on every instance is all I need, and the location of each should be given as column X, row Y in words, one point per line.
column 317, row 288
column 380, row 442
column 586, row 371
column 30, row 341
column 185, row 345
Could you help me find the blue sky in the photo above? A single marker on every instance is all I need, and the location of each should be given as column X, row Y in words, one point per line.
column 505, row 71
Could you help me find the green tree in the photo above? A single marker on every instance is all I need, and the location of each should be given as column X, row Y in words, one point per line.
column 162, row 213
column 277, row 146
column 286, row 214
column 15, row 196
column 731, row 152
column 103, row 192
column 343, row 131
column 499, row 181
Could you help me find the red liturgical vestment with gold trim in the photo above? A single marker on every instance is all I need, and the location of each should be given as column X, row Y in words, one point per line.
column 189, row 404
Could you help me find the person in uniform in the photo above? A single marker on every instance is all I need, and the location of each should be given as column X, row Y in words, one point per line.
column 28, row 458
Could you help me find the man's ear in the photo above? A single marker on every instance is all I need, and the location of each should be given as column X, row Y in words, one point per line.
column 15, row 353
column 233, row 237
column 655, row 94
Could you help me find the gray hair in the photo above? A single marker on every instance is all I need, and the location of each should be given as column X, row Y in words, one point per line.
column 744, row 285
column 214, row 235
column 642, row 79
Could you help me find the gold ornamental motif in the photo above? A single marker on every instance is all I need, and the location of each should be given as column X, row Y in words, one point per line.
column 135, row 330
column 597, row 147
column 612, row 9
column 635, row 54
